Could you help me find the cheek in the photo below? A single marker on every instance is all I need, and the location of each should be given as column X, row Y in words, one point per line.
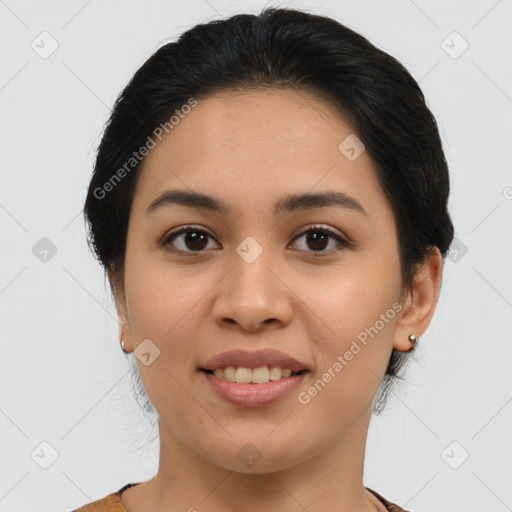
column 354, row 359
column 360, row 312
column 160, row 300
column 358, row 299
column 162, row 305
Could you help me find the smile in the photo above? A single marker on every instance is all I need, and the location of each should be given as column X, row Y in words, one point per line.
column 253, row 394
column 259, row 375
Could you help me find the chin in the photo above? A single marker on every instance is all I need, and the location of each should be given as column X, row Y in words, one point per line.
column 254, row 457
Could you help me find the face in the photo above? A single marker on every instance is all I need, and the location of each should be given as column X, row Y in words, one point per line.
column 317, row 280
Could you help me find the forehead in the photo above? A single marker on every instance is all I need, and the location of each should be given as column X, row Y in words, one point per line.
column 260, row 120
column 252, row 146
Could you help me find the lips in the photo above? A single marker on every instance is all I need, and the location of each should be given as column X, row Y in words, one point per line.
column 254, row 359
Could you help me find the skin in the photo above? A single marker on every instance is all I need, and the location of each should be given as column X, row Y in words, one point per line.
column 249, row 149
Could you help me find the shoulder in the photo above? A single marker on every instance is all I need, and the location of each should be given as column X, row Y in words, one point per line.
column 392, row 507
column 110, row 503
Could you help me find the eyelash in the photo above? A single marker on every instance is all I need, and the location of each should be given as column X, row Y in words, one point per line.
column 344, row 243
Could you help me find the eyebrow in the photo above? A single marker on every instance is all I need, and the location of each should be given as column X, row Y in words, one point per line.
column 284, row 205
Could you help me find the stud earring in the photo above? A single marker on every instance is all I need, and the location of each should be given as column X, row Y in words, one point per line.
column 413, row 339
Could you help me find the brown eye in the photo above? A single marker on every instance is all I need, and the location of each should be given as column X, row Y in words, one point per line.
column 317, row 239
column 189, row 240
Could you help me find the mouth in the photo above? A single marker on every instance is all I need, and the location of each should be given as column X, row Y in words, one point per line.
column 252, row 388
column 259, row 375
column 249, row 378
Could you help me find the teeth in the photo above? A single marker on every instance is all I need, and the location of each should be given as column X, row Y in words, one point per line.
column 243, row 375
column 259, row 375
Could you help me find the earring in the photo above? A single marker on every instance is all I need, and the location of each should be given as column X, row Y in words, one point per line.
column 122, row 347
column 413, row 339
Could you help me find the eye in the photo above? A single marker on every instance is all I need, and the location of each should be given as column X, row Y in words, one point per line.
column 318, row 238
column 193, row 239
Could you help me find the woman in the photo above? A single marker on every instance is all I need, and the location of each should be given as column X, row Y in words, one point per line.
column 269, row 201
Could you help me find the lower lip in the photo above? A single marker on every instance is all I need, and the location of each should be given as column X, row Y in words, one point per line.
column 254, row 395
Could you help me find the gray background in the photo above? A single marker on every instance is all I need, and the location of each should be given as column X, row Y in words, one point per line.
column 63, row 377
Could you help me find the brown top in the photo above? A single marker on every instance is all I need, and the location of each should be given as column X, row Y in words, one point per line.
column 113, row 503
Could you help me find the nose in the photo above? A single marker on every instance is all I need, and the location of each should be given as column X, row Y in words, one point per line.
column 253, row 296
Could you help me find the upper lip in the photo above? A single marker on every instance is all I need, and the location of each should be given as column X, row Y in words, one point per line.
column 254, row 359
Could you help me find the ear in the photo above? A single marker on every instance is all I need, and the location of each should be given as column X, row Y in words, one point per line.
column 420, row 303
column 122, row 315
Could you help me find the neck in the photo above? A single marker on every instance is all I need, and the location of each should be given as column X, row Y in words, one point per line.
column 188, row 480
